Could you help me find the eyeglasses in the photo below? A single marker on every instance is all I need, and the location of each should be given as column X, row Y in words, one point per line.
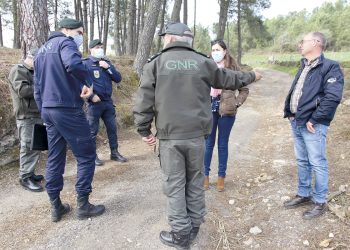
column 219, row 41
column 301, row 42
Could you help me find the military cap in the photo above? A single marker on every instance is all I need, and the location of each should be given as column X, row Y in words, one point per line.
column 178, row 29
column 70, row 23
column 95, row 42
column 32, row 52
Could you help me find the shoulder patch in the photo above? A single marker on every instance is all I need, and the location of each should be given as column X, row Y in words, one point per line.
column 154, row 57
column 202, row 54
column 332, row 80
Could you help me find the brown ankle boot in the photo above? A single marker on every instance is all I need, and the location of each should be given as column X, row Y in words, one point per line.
column 206, row 182
column 220, row 186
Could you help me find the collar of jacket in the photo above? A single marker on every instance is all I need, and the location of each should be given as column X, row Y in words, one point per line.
column 54, row 34
column 320, row 60
column 93, row 59
column 177, row 44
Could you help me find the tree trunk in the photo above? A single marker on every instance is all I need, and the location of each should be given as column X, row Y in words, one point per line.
column 138, row 25
column 105, row 25
column 92, row 19
column 185, row 14
column 1, row 40
column 98, row 19
column 147, row 36
column 102, row 18
column 194, row 18
column 16, row 25
column 175, row 15
column 142, row 16
column 117, row 46
column 224, row 4
column 86, row 28
column 35, row 24
column 239, row 34
column 55, row 9
column 162, row 15
column 125, row 7
column 131, row 27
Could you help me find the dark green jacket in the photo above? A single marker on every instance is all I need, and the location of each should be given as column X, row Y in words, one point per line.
column 175, row 90
column 22, row 89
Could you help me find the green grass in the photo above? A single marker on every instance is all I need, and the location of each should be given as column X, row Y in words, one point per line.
column 255, row 59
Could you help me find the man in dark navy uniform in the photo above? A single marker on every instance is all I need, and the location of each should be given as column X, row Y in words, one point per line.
column 100, row 104
column 61, row 82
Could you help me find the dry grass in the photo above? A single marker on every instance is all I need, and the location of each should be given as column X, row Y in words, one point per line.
column 8, row 57
column 123, row 96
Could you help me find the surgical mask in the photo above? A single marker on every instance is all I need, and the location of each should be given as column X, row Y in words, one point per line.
column 78, row 39
column 217, row 56
column 98, row 53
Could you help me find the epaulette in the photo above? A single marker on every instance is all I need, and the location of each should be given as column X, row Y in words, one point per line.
column 202, row 54
column 153, row 57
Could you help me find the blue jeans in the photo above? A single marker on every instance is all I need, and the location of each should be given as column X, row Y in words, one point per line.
column 310, row 152
column 224, row 124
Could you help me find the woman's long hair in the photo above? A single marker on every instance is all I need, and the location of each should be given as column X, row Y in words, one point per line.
column 230, row 62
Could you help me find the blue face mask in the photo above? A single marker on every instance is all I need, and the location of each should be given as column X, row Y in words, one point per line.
column 218, row 56
column 78, row 39
column 98, row 53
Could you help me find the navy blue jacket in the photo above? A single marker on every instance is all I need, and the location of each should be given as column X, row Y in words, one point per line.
column 321, row 93
column 102, row 78
column 59, row 73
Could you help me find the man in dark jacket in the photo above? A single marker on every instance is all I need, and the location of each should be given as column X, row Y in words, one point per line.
column 100, row 104
column 175, row 90
column 310, row 107
column 27, row 114
column 61, row 82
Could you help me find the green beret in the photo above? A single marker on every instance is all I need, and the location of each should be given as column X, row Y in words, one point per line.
column 70, row 23
column 95, row 42
column 178, row 29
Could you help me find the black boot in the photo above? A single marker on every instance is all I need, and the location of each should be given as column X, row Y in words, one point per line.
column 37, row 178
column 177, row 240
column 86, row 209
column 116, row 156
column 31, row 185
column 316, row 211
column 193, row 234
column 58, row 209
column 99, row 162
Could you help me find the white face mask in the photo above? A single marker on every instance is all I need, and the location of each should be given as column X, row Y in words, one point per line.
column 218, row 56
column 78, row 39
column 98, row 53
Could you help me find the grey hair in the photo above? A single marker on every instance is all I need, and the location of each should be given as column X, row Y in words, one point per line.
column 186, row 39
column 320, row 37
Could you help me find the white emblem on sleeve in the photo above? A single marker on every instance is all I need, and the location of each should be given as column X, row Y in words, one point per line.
column 332, row 80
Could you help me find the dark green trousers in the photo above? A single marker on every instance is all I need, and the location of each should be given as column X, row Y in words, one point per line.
column 183, row 176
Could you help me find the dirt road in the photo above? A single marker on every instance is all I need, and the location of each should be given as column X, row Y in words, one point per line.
column 261, row 174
